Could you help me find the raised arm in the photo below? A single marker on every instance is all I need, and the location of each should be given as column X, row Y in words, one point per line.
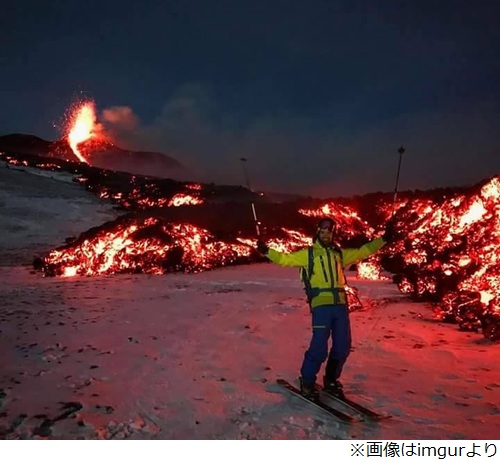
column 353, row 255
column 293, row 259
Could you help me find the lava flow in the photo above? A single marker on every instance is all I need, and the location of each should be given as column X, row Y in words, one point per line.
column 446, row 250
column 448, row 253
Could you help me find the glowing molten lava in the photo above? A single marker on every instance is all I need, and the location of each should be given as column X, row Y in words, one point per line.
column 145, row 245
column 445, row 251
column 370, row 270
column 83, row 123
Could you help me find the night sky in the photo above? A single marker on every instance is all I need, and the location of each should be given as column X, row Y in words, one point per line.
column 318, row 95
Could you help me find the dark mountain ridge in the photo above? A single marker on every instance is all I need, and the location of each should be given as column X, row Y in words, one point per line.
column 99, row 153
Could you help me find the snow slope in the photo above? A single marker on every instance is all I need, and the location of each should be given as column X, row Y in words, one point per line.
column 40, row 209
column 197, row 356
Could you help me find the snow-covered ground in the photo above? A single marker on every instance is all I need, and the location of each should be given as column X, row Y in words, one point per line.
column 39, row 209
column 197, row 356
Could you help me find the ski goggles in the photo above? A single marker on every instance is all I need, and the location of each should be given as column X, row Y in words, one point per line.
column 326, row 224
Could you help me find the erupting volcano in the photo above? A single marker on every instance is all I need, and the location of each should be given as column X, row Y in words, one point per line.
column 445, row 251
column 82, row 126
column 84, row 141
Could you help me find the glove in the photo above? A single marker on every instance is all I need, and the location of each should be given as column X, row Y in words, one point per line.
column 389, row 233
column 262, row 247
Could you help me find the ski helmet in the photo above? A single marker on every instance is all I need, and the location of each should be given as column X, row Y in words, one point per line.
column 328, row 223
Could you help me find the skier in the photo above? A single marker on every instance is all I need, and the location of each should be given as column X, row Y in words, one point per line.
column 328, row 301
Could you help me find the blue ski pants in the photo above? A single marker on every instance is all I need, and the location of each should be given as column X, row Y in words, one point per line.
column 327, row 320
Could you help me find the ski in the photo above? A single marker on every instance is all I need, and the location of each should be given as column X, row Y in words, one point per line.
column 349, row 403
column 322, row 405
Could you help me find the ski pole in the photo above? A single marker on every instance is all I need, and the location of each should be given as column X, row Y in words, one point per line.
column 257, row 228
column 401, row 150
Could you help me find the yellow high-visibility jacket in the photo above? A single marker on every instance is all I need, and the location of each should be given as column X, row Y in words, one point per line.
column 328, row 276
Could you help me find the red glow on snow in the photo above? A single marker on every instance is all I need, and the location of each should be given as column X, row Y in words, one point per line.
column 446, row 251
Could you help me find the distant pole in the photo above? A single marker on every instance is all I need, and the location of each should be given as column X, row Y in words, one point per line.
column 401, row 150
column 247, row 180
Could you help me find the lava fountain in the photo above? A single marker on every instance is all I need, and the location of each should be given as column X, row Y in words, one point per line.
column 82, row 126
